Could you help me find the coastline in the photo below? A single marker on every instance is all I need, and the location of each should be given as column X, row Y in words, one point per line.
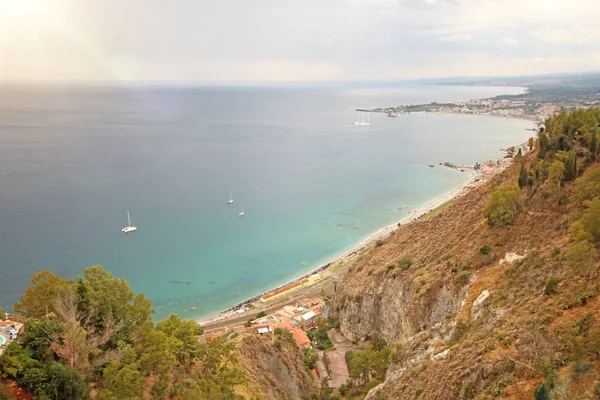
column 380, row 234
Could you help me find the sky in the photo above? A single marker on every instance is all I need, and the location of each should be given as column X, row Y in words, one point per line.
column 293, row 40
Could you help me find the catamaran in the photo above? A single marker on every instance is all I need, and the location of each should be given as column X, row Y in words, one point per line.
column 230, row 198
column 241, row 214
column 360, row 120
column 129, row 227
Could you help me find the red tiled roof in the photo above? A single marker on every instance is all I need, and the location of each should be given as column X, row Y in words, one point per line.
column 300, row 337
column 286, row 325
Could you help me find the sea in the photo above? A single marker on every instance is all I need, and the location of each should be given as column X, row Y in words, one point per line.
column 75, row 159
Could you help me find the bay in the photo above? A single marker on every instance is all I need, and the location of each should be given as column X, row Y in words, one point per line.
column 73, row 160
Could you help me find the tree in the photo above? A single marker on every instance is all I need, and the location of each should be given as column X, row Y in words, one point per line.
column 81, row 337
column 541, row 393
column 38, row 336
column 40, row 298
column 555, row 176
column 594, row 146
column 65, row 382
column 530, row 143
column 124, row 382
column 588, row 186
column 543, row 144
column 111, row 298
column 591, row 218
column 503, row 207
column 182, row 337
column 581, row 256
column 569, row 159
column 522, row 176
column 218, row 373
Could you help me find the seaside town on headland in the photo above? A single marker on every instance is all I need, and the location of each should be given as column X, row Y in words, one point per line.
column 540, row 100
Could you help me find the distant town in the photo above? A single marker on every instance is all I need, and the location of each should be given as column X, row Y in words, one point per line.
column 541, row 100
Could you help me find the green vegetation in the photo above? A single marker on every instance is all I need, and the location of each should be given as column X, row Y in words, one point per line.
column 320, row 335
column 551, row 284
column 261, row 314
column 95, row 329
column 310, row 358
column 370, row 363
column 503, row 207
column 405, row 262
column 463, row 277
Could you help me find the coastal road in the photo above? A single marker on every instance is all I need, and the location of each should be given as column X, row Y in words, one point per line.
column 324, row 287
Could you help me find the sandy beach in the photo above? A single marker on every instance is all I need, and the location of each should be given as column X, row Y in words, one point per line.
column 234, row 314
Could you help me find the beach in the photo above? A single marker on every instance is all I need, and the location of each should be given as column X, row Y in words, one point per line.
column 331, row 271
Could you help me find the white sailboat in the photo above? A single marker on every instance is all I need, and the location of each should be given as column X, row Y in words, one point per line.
column 129, row 227
column 230, row 198
column 241, row 214
column 360, row 120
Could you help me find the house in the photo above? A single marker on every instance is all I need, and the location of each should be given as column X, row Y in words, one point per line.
column 264, row 330
column 307, row 320
column 286, row 325
column 300, row 337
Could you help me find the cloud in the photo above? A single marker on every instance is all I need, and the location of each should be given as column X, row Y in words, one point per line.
column 577, row 35
column 237, row 40
column 458, row 37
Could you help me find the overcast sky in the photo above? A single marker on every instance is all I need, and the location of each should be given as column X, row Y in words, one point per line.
column 303, row 40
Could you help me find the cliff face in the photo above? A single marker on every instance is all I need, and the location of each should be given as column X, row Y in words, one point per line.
column 467, row 306
column 409, row 283
column 275, row 371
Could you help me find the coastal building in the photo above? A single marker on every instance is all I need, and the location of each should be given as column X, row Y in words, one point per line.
column 264, row 330
column 300, row 337
column 286, row 325
column 307, row 321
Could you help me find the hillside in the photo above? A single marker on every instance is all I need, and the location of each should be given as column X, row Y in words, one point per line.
column 502, row 306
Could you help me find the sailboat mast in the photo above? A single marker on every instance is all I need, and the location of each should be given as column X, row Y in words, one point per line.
column 128, row 219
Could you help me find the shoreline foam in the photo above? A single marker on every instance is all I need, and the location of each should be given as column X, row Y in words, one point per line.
column 378, row 235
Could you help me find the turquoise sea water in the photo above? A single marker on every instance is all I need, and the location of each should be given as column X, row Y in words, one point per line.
column 74, row 160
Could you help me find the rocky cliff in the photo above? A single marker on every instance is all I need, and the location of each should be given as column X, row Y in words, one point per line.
column 275, row 368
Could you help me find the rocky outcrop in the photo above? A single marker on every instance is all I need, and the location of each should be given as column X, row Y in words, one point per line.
column 275, row 372
column 395, row 311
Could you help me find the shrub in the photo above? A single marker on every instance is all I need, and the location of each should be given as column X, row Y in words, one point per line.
column 390, row 267
column 463, row 277
column 405, row 262
column 551, row 284
column 469, row 390
column 582, row 367
column 261, row 314
column 379, row 242
column 310, row 358
column 485, row 250
column 541, row 393
column 460, row 330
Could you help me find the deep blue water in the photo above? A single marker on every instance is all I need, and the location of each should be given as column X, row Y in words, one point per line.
column 74, row 160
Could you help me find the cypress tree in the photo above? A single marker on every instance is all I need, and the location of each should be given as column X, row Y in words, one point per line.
column 594, row 145
column 522, row 176
column 543, row 139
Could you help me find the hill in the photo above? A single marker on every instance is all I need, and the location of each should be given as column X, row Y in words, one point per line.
column 496, row 296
